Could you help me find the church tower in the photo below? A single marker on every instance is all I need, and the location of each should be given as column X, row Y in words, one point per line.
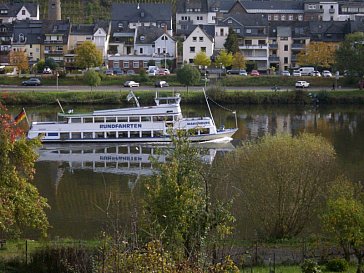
column 54, row 10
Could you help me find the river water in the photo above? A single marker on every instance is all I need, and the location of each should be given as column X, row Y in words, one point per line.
column 85, row 183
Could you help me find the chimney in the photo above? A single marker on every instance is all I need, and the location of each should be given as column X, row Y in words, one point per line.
column 54, row 10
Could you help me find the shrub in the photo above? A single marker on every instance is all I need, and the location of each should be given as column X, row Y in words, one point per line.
column 337, row 265
column 310, row 266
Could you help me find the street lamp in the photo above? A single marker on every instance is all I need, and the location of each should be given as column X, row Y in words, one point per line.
column 57, row 75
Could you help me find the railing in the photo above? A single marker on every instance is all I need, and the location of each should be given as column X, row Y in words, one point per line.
column 297, row 46
column 274, row 59
column 53, row 41
column 273, row 46
column 53, row 52
column 253, row 46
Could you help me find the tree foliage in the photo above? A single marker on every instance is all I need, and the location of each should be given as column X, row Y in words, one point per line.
column 177, row 206
column 201, row 59
column 239, row 60
column 92, row 78
column 231, row 44
column 19, row 59
column 281, row 181
column 188, row 75
column 318, row 54
column 87, row 55
column 350, row 54
column 21, row 206
column 224, row 58
column 344, row 218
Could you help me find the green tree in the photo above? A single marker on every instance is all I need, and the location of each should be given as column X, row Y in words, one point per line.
column 201, row 59
column 92, row 78
column 318, row 54
column 178, row 208
column 350, row 54
column 224, row 58
column 51, row 63
column 87, row 55
column 344, row 218
column 40, row 66
column 188, row 75
column 21, row 205
column 281, row 181
column 239, row 60
column 19, row 59
column 231, row 44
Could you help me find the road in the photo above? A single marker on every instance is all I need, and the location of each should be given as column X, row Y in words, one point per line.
column 77, row 88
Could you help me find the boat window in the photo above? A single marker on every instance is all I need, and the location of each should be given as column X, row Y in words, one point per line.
column 134, row 134
column 111, row 134
column 99, row 135
column 122, row 164
column 145, row 119
column 169, row 118
column 134, row 119
column 52, row 134
column 146, row 165
column 88, row 120
column 122, row 119
column 123, row 135
column 87, row 135
column 158, row 118
column 75, row 120
column 99, row 164
column 146, row 133
column 157, row 133
column 204, row 131
column 111, row 165
column 112, row 150
column 89, row 164
column 76, row 135
column 134, row 165
column 99, row 119
column 65, row 136
column 111, row 119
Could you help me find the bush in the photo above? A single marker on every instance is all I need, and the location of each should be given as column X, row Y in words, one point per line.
column 337, row 265
column 310, row 266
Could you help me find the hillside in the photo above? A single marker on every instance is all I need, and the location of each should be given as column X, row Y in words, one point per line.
column 85, row 11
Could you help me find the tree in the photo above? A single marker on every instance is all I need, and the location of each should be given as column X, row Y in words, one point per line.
column 231, row 44
column 350, row 55
column 281, row 181
column 188, row 75
column 177, row 204
column 344, row 218
column 21, row 206
column 239, row 60
column 19, row 59
column 51, row 63
column 40, row 66
column 87, row 55
column 318, row 54
column 201, row 59
column 224, row 58
column 92, row 78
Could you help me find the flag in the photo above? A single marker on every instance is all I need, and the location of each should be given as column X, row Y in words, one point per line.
column 20, row 117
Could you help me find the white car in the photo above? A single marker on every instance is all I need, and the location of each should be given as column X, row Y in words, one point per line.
column 296, row 73
column 302, row 84
column 315, row 73
column 326, row 73
column 131, row 84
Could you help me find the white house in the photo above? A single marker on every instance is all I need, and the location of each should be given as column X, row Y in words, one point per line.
column 197, row 41
column 18, row 11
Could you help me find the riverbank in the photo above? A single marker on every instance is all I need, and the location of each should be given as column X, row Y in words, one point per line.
column 193, row 97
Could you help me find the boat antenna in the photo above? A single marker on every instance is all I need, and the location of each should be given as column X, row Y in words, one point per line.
column 60, row 105
column 130, row 96
column 208, row 106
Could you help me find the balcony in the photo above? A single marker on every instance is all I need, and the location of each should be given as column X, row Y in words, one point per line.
column 274, row 59
column 331, row 10
column 53, row 52
column 265, row 46
column 53, row 41
column 297, row 46
column 294, row 58
column 273, row 46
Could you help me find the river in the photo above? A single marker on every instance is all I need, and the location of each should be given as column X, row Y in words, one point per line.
column 85, row 183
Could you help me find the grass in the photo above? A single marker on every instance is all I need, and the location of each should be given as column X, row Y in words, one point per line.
column 286, row 269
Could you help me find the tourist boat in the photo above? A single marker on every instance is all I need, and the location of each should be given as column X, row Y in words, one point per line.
column 136, row 124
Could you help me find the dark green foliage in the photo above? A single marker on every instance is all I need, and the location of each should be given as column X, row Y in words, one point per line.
column 188, row 75
column 337, row 265
column 310, row 266
column 231, row 44
column 51, row 63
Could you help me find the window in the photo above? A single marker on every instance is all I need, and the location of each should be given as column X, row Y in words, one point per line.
column 285, row 60
column 23, row 12
column 190, row 61
column 283, row 17
column 192, row 49
column 21, row 37
column 275, row 17
column 344, row 9
column 269, row 17
column 311, row 6
column 199, row 18
column 194, row 39
column 237, row 30
column 142, row 37
column 203, row 49
column 120, row 25
column 164, row 38
column 248, row 30
column 141, row 50
column 221, row 32
column 285, row 47
column 300, row 17
column 290, row 17
column 30, row 46
column 136, row 64
column 200, row 39
column 230, row 21
column 145, row 64
column 126, row 64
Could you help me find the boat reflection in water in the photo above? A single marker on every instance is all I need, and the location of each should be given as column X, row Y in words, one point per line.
column 123, row 159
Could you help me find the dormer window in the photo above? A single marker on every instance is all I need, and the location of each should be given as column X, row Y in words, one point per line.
column 142, row 14
column 142, row 38
column 4, row 11
column 21, row 37
column 230, row 21
column 120, row 25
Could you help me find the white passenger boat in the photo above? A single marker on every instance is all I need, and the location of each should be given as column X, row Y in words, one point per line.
column 137, row 124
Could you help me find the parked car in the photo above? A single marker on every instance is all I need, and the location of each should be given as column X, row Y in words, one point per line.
column 130, row 72
column 326, row 73
column 164, row 71
column 254, row 73
column 32, row 82
column 161, row 84
column 302, row 84
column 315, row 73
column 109, row 72
column 131, row 84
column 240, row 72
column 47, row 70
column 118, row 72
column 296, row 73
column 285, row 73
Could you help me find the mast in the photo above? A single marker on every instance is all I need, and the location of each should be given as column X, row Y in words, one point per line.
column 208, row 106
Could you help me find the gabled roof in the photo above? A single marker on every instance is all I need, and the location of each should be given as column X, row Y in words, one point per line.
column 82, row 29
column 148, row 35
column 142, row 12
column 14, row 8
column 211, row 38
column 30, row 29
column 195, row 5
column 57, row 27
